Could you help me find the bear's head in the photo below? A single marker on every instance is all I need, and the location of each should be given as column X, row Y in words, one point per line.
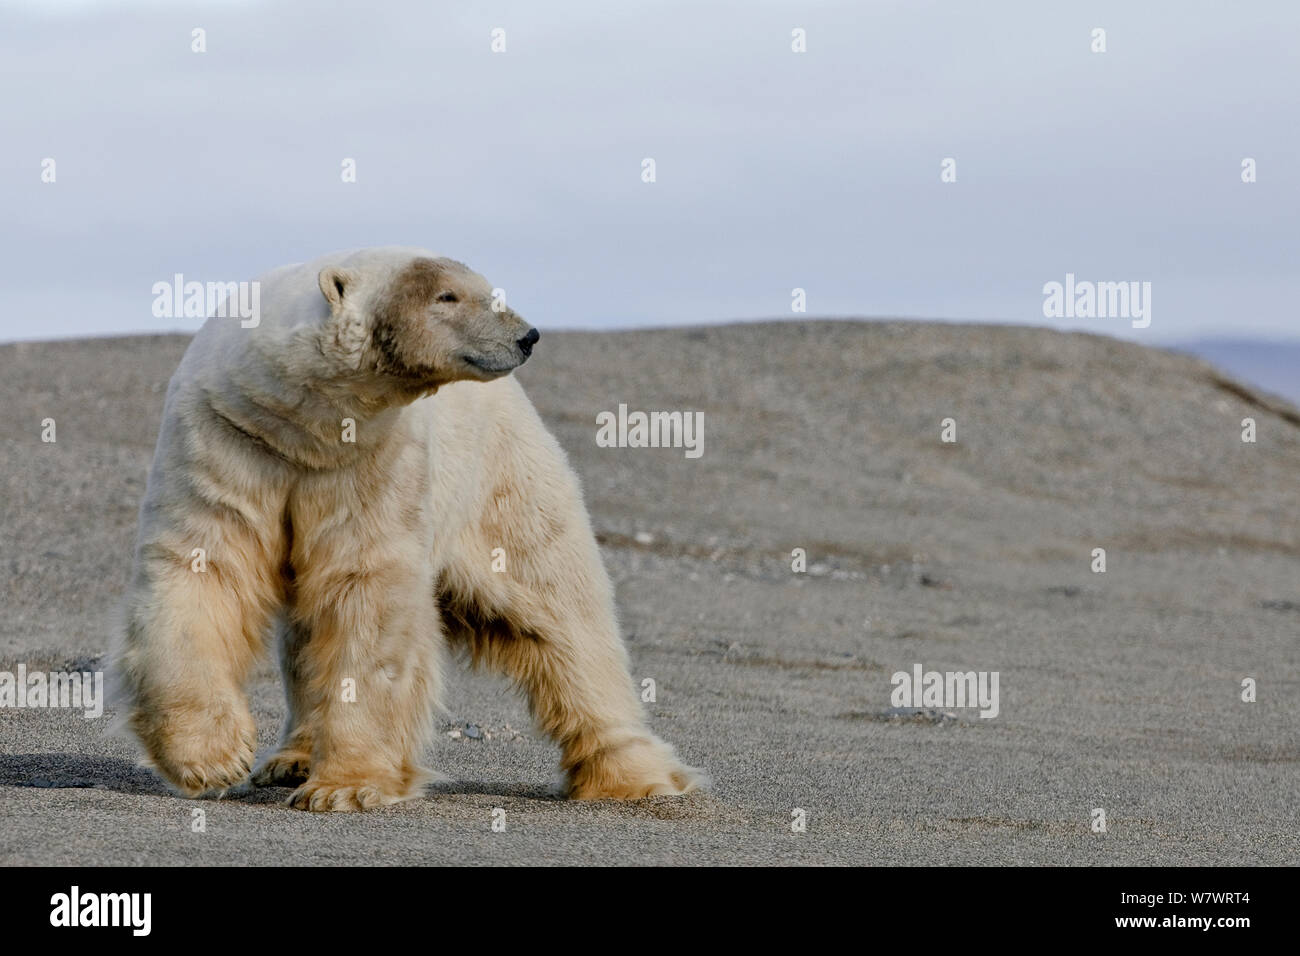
column 421, row 324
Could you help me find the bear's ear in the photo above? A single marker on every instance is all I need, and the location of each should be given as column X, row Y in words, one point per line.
column 334, row 283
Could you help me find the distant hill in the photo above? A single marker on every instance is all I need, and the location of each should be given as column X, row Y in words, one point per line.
column 1272, row 366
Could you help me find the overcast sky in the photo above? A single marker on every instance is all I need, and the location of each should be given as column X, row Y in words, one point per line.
column 775, row 169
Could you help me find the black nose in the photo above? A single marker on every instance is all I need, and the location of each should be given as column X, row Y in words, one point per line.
column 528, row 341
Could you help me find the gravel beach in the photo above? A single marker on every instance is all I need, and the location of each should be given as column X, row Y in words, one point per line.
column 1119, row 691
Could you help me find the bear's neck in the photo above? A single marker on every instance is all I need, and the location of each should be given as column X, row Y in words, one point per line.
column 320, row 425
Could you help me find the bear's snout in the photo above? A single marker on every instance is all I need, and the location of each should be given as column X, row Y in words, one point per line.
column 528, row 341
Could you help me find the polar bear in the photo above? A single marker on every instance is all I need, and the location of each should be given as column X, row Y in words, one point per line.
column 340, row 475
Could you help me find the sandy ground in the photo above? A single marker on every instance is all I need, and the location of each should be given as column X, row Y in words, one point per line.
column 1119, row 691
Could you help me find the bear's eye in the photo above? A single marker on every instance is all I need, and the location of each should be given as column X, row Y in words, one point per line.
column 448, row 297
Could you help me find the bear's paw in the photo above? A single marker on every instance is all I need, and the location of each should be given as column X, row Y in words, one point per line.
column 641, row 767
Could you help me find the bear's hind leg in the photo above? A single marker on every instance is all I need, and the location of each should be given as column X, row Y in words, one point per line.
column 290, row 765
column 547, row 620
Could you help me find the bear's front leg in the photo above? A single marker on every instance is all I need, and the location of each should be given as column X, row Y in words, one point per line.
column 196, row 623
column 370, row 666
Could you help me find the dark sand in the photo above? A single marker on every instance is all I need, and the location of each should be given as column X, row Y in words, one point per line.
column 1118, row 690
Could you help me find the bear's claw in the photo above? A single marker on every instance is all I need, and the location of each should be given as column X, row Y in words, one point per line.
column 284, row 769
column 344, row 798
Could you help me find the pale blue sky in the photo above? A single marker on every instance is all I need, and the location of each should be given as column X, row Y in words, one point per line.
column 775, row 169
